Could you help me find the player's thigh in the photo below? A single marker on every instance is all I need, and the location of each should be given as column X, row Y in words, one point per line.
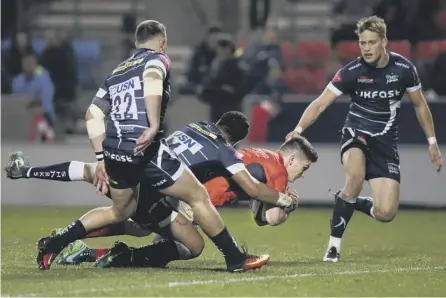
column 181, row 207
column 385, row 194
column 170, row 176
column 183, row 231
column 124, row 179
column 353, row 157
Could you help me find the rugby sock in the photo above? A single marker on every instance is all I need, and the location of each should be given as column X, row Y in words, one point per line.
column 157, row 254
column 342, row 213
column 227, row 245
column 73, row 232
column 112, row 230
column 365, row 205
column 67, row 171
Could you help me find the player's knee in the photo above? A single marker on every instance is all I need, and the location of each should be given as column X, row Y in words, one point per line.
column 123, row 211
column 384, row 214
column 198, row 196
column 354, row 185
column 196, row 251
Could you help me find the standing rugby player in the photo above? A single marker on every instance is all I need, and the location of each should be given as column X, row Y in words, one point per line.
column 131, row 149
column 375, row 82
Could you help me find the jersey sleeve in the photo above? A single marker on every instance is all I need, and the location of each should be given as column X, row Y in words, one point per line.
column 102, row 99
column 159, row 62
column 218, row 191
column 412, row 80
column 231, row 160
column 340, row 82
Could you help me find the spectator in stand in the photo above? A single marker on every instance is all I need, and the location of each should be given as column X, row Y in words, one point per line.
column 222, row 89
column 36, row 82
column 394, row 14
column 262, row 114
column 59, row 59
column 258, row 13
column 20, row 47
column 6, row 81
column 345, row 15
column 259, row 57
column 201, row 60
column 273, row 84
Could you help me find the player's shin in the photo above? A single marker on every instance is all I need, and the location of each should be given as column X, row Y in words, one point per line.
column 160, row 253
column 342, row 213
column 65, row 172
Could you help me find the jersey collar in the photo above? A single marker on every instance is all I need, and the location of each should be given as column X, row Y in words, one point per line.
column 280, row 156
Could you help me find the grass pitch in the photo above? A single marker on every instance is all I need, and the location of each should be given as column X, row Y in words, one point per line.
column 404, row 258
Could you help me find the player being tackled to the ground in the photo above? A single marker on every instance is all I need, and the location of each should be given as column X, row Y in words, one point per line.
column 375, row 82
column 275, row 169
column 131, row 149
column 206, row 148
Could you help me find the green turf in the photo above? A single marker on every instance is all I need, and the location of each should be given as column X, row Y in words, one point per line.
column 396, row 259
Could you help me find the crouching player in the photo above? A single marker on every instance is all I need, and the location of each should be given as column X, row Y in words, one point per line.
column 275, row 169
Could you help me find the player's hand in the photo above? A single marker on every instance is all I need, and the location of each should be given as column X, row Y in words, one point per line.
column 291, row 135
column 101, row 180
column 295, row 197
column 435, row 154
column 145, row 140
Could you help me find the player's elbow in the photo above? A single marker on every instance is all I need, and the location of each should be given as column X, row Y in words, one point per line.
column 275, row 216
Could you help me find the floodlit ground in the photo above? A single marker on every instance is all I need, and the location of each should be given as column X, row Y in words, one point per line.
column 404, row 258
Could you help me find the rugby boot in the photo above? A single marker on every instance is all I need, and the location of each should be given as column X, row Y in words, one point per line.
column 119, row 256
column 47, row 251
column 76, row 253
column 250, row 262
column 18, row 166
column 332, row 255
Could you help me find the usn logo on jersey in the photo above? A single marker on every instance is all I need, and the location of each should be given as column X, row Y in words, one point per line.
column 378, row 94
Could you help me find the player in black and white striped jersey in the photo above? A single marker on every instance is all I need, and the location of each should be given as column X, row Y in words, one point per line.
column 375, row 82
column 131, row 149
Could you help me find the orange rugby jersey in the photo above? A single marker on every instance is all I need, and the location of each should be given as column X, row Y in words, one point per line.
column 264, row 165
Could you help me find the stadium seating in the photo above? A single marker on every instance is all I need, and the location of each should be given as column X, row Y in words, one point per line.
column 347, row 50
column 402, row 47
column 428, row 50
column 88, row 55
column 313, row 51
column 287, row 52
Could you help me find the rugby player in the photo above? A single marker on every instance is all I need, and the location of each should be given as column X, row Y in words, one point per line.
column 375, row 82
column 207, row 150
column 131, row 148
column 275, row 169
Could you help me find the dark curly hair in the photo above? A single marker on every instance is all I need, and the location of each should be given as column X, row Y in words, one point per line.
column 235, row 124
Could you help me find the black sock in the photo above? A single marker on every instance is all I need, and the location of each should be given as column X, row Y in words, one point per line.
column 365, row 205
column 342, row 213
column 157, row 254
column 56, row 172
column 226, row 244
column 73, row 232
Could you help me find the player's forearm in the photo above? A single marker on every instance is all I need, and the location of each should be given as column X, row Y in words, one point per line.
column 153, row 108
column 425, row 119
column 94, row 119
column 310, row 115
column 268, row 195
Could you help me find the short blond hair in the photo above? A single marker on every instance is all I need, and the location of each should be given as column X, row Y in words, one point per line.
column 373, row 24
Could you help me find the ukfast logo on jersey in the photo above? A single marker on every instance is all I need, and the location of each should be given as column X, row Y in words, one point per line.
column 191, row 145
column 132, row 84
column 378, row 94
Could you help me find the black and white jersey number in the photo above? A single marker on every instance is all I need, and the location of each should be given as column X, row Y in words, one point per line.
column 179, row 142
column 123, row 102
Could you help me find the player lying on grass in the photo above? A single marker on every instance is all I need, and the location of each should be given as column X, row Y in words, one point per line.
column 273, row 168
column 207, row 150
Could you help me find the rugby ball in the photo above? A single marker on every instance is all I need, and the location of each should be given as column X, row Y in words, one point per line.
column 259, row 211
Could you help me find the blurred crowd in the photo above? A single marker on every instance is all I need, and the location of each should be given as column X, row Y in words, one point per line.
column 50, row 79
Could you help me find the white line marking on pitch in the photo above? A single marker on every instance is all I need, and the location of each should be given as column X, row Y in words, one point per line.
column 229, row 281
